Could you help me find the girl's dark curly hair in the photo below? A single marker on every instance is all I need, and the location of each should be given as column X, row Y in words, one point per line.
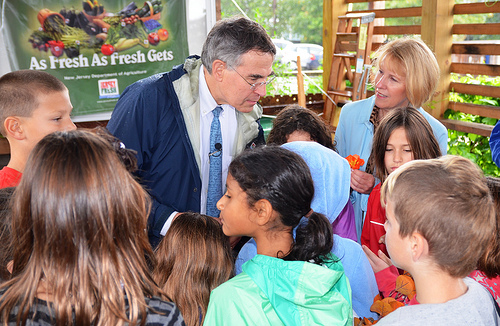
column 293, row 118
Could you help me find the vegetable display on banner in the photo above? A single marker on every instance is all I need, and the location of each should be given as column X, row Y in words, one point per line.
column 96, row 48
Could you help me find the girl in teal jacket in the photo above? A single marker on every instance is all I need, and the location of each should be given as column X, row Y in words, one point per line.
column 289, row 282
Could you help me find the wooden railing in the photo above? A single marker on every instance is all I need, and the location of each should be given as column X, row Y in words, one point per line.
column 437, row 30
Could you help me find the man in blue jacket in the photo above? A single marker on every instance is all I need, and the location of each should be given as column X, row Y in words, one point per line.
column 167, row 118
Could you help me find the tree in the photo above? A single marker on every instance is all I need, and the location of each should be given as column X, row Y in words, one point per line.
column 299, row 20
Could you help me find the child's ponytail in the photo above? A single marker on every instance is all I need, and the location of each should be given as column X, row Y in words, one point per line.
column 313, row 239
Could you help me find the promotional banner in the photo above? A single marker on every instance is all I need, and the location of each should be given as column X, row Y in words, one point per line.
column 97, row 48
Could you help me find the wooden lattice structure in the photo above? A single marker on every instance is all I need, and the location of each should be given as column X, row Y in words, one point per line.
column 437, row 30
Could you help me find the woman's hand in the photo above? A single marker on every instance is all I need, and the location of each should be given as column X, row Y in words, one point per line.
column 362, row 182
column 379, row 262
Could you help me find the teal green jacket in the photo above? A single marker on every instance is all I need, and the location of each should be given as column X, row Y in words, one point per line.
column 271, row 291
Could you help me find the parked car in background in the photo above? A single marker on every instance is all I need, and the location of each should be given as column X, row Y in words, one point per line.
column 280, row 44
column 314, row 49
column 311, row 55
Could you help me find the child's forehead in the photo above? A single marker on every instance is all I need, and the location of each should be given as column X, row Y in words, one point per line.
column 53, row 101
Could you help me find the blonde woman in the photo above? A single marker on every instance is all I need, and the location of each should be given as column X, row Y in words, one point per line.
column 407, row 75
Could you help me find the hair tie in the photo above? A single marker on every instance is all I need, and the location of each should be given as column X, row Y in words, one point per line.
column 309, row 213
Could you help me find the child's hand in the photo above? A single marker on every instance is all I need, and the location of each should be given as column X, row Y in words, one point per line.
column 379, row 262
column 382, row 240
column 362, row 182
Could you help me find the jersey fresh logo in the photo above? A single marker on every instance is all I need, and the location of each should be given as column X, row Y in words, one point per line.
column 108, row 88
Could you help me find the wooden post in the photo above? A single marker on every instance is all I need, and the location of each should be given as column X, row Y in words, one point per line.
column 301, row 94
column 436, row 31
column 377, row 5
column 332, row 9
column 218, row 11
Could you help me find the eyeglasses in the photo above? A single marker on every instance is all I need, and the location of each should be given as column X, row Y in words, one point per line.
column 254, row 86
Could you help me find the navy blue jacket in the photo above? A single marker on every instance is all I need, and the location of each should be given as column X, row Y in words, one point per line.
column 148, row 118
column 495, row 144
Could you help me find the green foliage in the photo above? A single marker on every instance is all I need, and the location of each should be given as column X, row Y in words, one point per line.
column 471, row 146
column 283, row 81
column 300, row 20
column 286, row 82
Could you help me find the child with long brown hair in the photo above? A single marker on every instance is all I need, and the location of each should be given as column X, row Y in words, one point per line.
column 193, row 258
column 402, row 136
column 488, row 267
column 5, row 243
column 78, row 224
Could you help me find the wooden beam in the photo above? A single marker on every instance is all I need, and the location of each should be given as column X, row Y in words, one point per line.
column 476, row 8
column 375, row 46
column 482, row 90
column 469, row 127
column 475, row 69
column 394, row 12
column 476, row 109
column 437, row 22
column 475, row 47
column 476, row 29
column 396, row 30
column 218, row 10
column 358, row 1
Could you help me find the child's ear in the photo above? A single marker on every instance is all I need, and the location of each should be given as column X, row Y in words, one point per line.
column 264, row 211
column 419, row 246
column 13, row 128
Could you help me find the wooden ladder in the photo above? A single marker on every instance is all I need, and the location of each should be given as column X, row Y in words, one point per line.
column 351, row 48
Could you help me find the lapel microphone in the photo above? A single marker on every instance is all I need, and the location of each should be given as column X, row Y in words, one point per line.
column 218, row 150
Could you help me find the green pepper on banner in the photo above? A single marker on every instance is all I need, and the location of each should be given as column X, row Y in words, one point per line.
column 97, row 48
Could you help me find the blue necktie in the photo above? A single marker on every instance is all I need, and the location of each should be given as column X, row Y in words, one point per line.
column 215, row 157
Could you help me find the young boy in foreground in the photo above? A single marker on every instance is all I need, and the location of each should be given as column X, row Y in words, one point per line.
column 33, row 104
column 440, row 218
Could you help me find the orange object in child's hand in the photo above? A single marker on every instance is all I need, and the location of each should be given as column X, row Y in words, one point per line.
column 355, row 161
column 385, row 306
column 405, row 285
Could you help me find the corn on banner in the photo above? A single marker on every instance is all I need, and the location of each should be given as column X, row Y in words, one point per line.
column 97, row 48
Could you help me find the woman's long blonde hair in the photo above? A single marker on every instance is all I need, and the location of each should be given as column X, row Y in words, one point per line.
column 78, row 224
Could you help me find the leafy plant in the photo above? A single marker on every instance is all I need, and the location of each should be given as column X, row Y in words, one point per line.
column 298, row 20
column 472, row 146
column 286, row 82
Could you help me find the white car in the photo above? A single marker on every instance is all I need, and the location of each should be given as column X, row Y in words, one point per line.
column 311, row 55
column 280, row 45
